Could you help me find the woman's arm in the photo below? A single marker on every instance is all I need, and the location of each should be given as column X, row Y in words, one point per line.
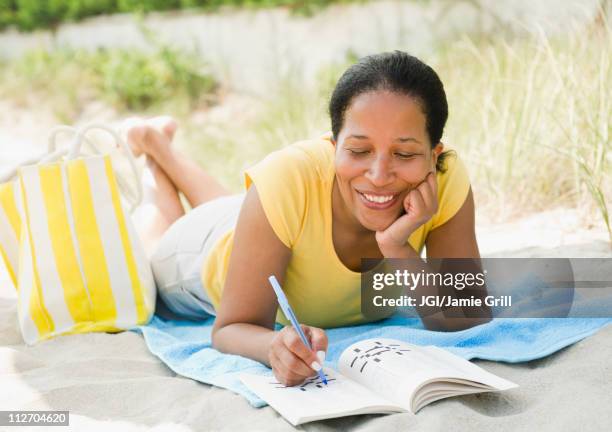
column 247, row 312
column 246, row 316
column 456, row 238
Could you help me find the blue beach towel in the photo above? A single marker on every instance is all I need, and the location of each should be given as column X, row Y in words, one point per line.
column 185, row 346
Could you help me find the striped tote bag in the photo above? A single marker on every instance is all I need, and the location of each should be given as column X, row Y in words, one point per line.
column 81, row 265
column 10, row 215
column 10, row 228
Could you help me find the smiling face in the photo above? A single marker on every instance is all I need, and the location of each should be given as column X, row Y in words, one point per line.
column 382, row 153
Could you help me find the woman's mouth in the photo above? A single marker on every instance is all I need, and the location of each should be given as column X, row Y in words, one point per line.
column 378, row 201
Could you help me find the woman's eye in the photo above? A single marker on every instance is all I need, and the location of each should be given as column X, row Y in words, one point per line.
column 404, row 155
column 358, row 152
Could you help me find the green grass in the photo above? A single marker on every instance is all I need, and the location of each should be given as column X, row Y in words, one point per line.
column 127, row 80
column 28, row 15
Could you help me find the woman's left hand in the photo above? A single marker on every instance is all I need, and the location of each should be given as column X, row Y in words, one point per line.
column 420, row 204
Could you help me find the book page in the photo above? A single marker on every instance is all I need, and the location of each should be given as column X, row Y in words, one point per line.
column 396, row 370
column 390, row 368
column 313, row 400
column 474, row 372
column 433, row 396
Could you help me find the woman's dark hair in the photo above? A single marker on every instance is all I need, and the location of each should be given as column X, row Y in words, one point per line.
column 397, row 72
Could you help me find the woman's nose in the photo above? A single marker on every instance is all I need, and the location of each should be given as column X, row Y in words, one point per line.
column 380, row 173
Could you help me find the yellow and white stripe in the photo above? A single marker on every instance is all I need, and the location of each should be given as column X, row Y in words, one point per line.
column 10, row 226
column 82, row 267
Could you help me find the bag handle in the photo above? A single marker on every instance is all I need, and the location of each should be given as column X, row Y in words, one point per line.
column 52, row 144
column 53, row 154
column 134, row 196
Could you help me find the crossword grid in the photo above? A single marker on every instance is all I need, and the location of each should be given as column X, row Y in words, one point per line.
column 315, row 381
column 375, row 353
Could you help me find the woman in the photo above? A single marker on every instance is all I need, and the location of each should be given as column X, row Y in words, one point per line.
column 380, row 185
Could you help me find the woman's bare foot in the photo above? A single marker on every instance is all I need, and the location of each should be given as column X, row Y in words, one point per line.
column 148, row 136
column 153, row 138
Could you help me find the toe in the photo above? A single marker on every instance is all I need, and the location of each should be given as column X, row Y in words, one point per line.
column 170, row 128
column 165, row 124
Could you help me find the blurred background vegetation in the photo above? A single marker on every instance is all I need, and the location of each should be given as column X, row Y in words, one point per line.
column 33, row 14
column 530, row 114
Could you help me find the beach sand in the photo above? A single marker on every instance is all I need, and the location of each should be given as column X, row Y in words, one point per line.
column 112, row 382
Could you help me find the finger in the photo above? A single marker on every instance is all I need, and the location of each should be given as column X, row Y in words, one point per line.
column 318, row 342
column 291, row 367
column 279, row 371
column 294, row 366
column 428, row 197
column 399, row 231
column 407, row 202
column 417, row 206
column 294, row 344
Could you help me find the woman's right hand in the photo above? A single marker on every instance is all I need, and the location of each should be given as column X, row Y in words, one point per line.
column 291, row 361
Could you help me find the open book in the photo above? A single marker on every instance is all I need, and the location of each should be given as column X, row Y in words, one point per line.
column 376, row 376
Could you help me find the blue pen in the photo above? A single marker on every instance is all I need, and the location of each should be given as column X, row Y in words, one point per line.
column 284, row 304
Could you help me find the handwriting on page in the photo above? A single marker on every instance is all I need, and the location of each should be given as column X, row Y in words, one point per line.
column 314, row 382
column 375, row 352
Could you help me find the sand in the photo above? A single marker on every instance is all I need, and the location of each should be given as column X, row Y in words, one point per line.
column 113, row 382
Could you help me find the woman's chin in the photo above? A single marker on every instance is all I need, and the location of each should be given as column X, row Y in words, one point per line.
column 376, row 224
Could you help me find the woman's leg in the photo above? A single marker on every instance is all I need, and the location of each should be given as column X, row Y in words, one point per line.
column 161, row 206
column 153, row 137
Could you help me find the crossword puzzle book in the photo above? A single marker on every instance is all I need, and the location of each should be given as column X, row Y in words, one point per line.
column 377, row 376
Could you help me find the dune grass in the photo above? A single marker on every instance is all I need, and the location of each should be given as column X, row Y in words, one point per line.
column 530, row 115
column 533, row 119
column 127, row 80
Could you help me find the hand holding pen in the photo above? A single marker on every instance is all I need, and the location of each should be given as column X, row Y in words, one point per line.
column 292, row 353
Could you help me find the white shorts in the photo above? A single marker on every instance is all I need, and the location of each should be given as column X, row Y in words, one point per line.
column 178, row 258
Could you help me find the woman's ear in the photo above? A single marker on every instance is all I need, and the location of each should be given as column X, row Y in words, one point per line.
column 436, row 151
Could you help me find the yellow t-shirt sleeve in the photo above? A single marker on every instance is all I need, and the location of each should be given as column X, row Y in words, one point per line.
column 281, row 180
column 453, row 188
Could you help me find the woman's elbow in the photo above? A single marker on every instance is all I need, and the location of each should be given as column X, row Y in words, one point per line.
column 446, row 324
column 217, row 337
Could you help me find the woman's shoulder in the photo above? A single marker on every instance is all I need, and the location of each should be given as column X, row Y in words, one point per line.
column 314, row 155
column 302, row 161
column 288, row 179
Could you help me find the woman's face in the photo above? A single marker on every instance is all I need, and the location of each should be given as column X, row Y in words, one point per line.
column 382, row 152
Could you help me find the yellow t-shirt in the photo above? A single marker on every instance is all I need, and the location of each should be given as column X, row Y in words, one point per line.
column 294, row 185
